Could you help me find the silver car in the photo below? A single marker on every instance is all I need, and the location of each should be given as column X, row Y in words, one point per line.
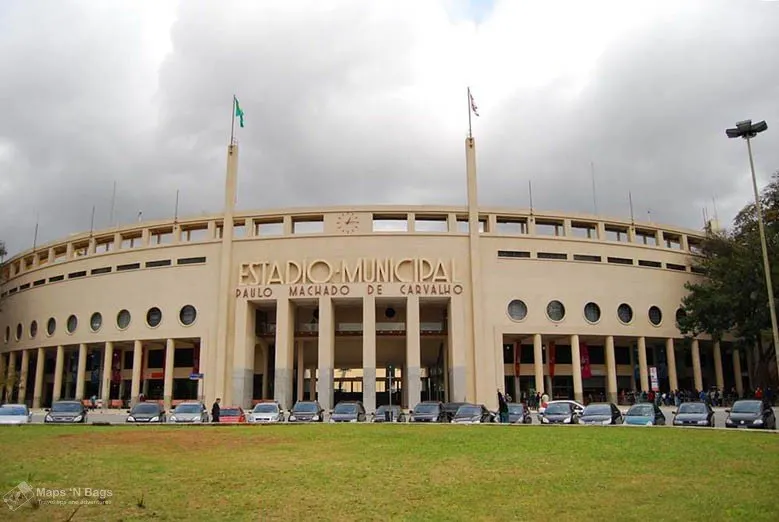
column 189, row 413
column 266, row 412
column 15, row 414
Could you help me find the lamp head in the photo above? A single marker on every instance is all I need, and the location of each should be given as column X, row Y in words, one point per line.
column 746, row 129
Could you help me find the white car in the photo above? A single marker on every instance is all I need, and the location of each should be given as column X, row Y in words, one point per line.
column 266, row 412
column 577, row 407
column 15, row 414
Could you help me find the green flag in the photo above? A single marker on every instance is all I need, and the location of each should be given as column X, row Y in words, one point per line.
column 238, row 111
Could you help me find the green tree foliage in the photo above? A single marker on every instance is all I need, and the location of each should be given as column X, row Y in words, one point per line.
column 732, row 298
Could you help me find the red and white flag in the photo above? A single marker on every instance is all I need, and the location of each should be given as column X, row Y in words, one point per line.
column 473, row 103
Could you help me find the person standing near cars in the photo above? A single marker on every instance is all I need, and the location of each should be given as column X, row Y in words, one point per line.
column 215, row 411
column 503, row 408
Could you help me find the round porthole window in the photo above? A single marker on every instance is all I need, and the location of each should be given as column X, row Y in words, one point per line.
column 154, row 317
column 33, row 329
column 680, row 314
column 72, row 324
column 51, row 326
column 625, row 313
column 19, row 329
column 123, row 319
column 555, row 310
column 187, row 315
column 655, row 315
column 517, row 310
column 592, row 312
column 96, row 321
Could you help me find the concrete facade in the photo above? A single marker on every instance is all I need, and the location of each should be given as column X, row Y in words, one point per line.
column 295, row 303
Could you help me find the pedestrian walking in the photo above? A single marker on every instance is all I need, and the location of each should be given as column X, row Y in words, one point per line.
column 215, row 411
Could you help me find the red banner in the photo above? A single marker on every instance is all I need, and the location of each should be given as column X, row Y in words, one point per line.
column 517, row 353
column 551, row 358
column 584, row 354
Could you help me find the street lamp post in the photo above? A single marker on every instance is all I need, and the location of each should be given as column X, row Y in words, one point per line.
column 748, row 130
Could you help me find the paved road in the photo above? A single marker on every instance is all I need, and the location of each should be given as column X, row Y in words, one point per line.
column 119, row 416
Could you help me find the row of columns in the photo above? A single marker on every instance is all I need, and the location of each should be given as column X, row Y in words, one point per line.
column 81, row 372
column 611, row 367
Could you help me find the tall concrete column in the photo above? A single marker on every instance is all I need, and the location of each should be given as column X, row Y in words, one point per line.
column 40, row 369
column 23, row 376
column 312, row 385
column 326, row 357
column 696, row 364
column 10, row 376
column 167, row 384
column 718, row 367
column 285, row 352
column 670, row 356
column 108, row 370
column 265, row 366
column 576, row 368
column 737, row 372
column 611, row 371
column 58, row 368
column 243, row 343
column 301, row 370
column 369, row 353
column 81, row 374
column 458, row 377
column 135, row 389
column 538, row 363
column 642, row 366
column 413, row 355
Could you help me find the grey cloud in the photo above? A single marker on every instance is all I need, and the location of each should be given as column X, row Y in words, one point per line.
column 329, row 94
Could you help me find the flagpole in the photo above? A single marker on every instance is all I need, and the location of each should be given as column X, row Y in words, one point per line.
column 530, row 192
column 630, row 199
column 92, row 222
column 232, row 123
column 35, row 236
column 113, row 203
column 470, row 108
column 176, row 211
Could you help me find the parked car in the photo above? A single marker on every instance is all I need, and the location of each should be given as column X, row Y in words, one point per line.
column 266, row 412
column 603, row 413
column 450, row 409
column 575, row 406
column 15, row 414
column 751, row 414
column 519, row 414
column 694, row 414
column 189, row 412
column 232, row 415
column 146, row 413
column 644, row 414
column 473, row 414
column 66, row 412
column 348, row 411
column 429, row 411
column 395, row 414
column 306, row 411
column 561, row 412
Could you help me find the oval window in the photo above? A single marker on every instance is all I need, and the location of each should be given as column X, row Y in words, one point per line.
column 187, row 315
column 592, row 312
column 625, row 313
column 555, row 310
column 72, row 324
column 655, row 315
column 51, row 326
column 123, row 319
column 33, row 329
column 96, row 321
column 517, row 310
column 154, row 317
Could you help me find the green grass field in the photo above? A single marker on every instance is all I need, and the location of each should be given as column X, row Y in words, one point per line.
column 379, row 472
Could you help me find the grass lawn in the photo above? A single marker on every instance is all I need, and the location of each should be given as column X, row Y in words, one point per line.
column 380, row 472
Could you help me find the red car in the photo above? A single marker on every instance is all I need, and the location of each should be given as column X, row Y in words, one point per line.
column 232, row 414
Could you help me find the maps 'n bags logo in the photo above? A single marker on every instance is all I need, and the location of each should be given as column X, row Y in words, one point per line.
column 19, row 496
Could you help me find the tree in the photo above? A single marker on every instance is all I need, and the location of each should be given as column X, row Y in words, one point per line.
column 732, row 297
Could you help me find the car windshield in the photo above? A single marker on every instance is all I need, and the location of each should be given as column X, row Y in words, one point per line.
column 66, row 407
column 468, row 411
column 305, row 407
column 516, row 409
column 230, row 412
column 641, row 410
column 188, row 408
column 426, row 408
column 146, row 408
column 381, row 409
column 13, row 410
column 597, row 409
column 692, row 407
column 345, row 408
column 266, row 408
column 452, row 406
column 747, row 407
column 557, row 408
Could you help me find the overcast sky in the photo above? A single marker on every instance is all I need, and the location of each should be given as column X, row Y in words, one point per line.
column 354, row 102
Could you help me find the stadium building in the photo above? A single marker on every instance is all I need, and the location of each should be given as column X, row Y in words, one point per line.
column 452, row 303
